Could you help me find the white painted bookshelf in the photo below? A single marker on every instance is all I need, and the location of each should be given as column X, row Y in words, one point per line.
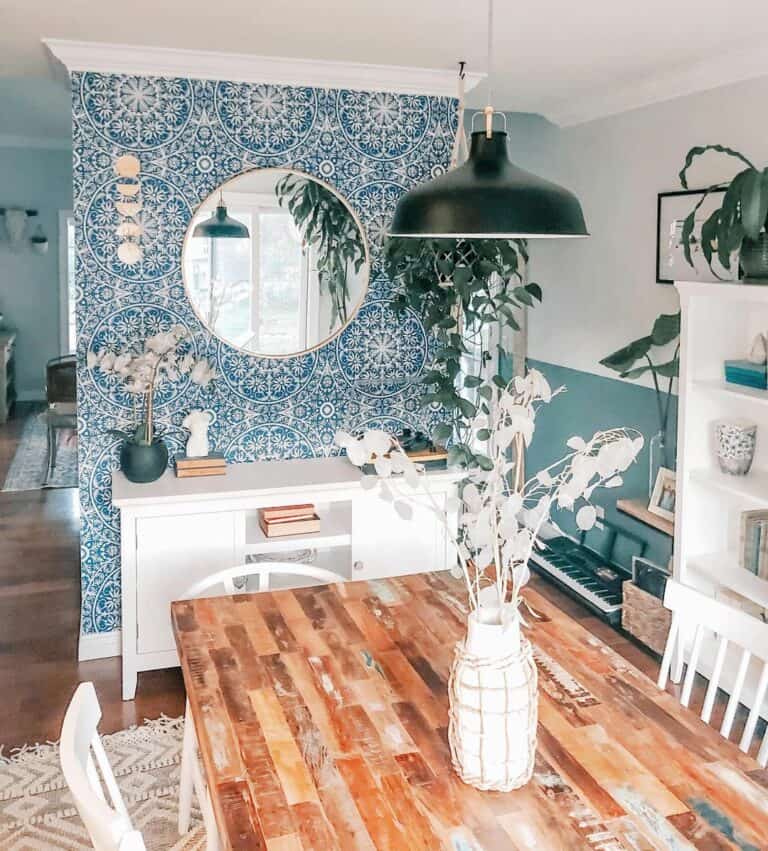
column 719, row 322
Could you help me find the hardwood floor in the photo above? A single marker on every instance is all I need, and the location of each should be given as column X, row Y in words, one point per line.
column 40, row 612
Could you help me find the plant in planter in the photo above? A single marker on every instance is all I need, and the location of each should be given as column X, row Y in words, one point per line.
column 493, row 690
column 459, row 288
column 327, row 226
column 144, row 367
column 739, row 224
column 666, row 330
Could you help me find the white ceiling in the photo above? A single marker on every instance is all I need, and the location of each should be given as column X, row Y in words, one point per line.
column 570, row 61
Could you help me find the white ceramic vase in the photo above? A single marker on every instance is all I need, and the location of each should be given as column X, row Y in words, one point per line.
column 493, row 703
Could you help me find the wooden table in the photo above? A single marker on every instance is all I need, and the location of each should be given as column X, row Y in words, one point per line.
column 321, row 716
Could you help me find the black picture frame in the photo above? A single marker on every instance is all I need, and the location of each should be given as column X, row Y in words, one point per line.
column 664, row 215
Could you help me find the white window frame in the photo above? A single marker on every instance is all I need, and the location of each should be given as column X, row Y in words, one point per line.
column 66, row 284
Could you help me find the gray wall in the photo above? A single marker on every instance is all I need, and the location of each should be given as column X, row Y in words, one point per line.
column 29, row 283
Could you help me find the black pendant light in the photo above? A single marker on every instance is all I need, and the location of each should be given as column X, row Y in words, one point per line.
column 220, row 225
column 488, row 196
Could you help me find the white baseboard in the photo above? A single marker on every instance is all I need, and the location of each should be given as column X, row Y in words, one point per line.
column 99, row 645
column 30, row 396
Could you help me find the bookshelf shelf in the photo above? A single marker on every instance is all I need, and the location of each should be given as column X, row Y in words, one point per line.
column 724, row 569
column 732, row 391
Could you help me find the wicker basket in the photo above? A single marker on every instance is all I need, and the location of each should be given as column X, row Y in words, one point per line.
column 493, row 707
column 645, row 617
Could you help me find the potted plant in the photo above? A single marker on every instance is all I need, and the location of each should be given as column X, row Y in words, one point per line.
column 144, row 367
column 460, row 288
column 739, row 224
column 666, row 330
column 493, row 687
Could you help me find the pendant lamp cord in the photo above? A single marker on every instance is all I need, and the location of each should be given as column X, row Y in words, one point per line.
column 460, row 153
column 489, row 109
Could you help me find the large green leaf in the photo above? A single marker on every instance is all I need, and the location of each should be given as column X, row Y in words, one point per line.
column 666, row 328
column 702, row 149
column 670, row 369
column 624, row 358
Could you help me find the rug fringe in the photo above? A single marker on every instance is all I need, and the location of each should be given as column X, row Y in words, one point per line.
column 42, row 750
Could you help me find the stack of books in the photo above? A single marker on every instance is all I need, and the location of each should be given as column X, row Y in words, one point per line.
column 746, row 373
column 289, row 520
column 206, row 465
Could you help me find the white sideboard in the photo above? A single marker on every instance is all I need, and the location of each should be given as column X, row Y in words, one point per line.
column 176, row 531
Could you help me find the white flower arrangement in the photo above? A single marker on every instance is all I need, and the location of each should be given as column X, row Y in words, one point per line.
column 144, row 367
column 502, row 514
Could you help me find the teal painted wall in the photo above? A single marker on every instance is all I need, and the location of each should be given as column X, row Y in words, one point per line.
column 593, row 403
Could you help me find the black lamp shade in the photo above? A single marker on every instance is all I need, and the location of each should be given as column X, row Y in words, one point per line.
column 221, row 226
column 488, row 197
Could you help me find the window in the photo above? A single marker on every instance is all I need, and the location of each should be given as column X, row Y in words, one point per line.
column 254, row 291
column 67, row 288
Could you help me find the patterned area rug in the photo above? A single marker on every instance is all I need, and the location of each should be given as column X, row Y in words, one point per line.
column 36, row 810
column 28, row 468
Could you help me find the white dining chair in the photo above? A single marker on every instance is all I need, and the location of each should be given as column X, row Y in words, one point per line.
column 227, row 581
column 90, row 779
column 694, row 611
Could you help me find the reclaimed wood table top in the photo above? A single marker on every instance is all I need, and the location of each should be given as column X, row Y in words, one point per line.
column 321, row 717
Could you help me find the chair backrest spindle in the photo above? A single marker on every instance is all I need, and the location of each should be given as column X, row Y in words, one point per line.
column 732, row 628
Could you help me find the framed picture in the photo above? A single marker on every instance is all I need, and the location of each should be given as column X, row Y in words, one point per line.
column 671, row 265
column 753, row 542
column 664, row 494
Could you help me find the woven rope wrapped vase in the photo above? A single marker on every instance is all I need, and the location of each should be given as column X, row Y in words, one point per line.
column 493, row 694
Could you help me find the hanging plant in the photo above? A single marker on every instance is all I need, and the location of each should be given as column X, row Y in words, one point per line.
column 738, row 226
column 460, row 287
column 326, row 226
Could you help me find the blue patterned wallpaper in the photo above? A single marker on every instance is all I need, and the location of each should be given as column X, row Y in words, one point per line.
column 190, row 136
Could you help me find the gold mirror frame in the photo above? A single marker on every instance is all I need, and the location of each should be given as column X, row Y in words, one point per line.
column 223, row 187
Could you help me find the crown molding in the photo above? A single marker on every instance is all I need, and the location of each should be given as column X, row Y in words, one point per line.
column 8, row 140
column 711, row 73
column 247, row 68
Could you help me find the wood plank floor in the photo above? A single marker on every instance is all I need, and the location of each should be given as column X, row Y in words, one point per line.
column 39, row 622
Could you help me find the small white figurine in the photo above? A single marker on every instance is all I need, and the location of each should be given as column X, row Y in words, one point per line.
column 197, row 422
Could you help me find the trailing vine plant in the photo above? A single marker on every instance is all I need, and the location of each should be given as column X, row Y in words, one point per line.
column 460, row 287
column 327, row 226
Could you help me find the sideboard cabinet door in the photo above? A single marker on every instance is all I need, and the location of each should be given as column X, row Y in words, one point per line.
column 173, row 553
column 386, row 544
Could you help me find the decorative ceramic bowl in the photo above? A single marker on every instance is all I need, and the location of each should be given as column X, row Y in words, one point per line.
column 735, row 441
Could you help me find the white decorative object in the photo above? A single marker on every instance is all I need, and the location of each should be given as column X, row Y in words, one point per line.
column 128, row 206
column 493, row 703
column 197, row 423
column 128, row 209
column 130, row 253
column 127, row 165
column 758, row 352
column 736, row 441
column 176, row 531
column 492, row 727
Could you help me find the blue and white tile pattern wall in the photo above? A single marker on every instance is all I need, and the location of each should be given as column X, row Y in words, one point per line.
column 190, row 136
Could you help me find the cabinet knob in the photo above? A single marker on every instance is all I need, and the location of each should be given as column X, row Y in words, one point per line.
column 358, row 565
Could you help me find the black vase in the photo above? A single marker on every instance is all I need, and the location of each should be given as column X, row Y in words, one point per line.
column 143, row 462
column 754, row 258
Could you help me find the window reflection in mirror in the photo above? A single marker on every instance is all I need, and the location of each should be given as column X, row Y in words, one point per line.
column 295, row 282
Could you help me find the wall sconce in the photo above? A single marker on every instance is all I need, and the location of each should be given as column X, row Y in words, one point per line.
column 38, row 242
column 128, row 206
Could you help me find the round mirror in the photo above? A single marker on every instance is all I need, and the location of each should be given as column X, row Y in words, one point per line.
column 275, row 262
